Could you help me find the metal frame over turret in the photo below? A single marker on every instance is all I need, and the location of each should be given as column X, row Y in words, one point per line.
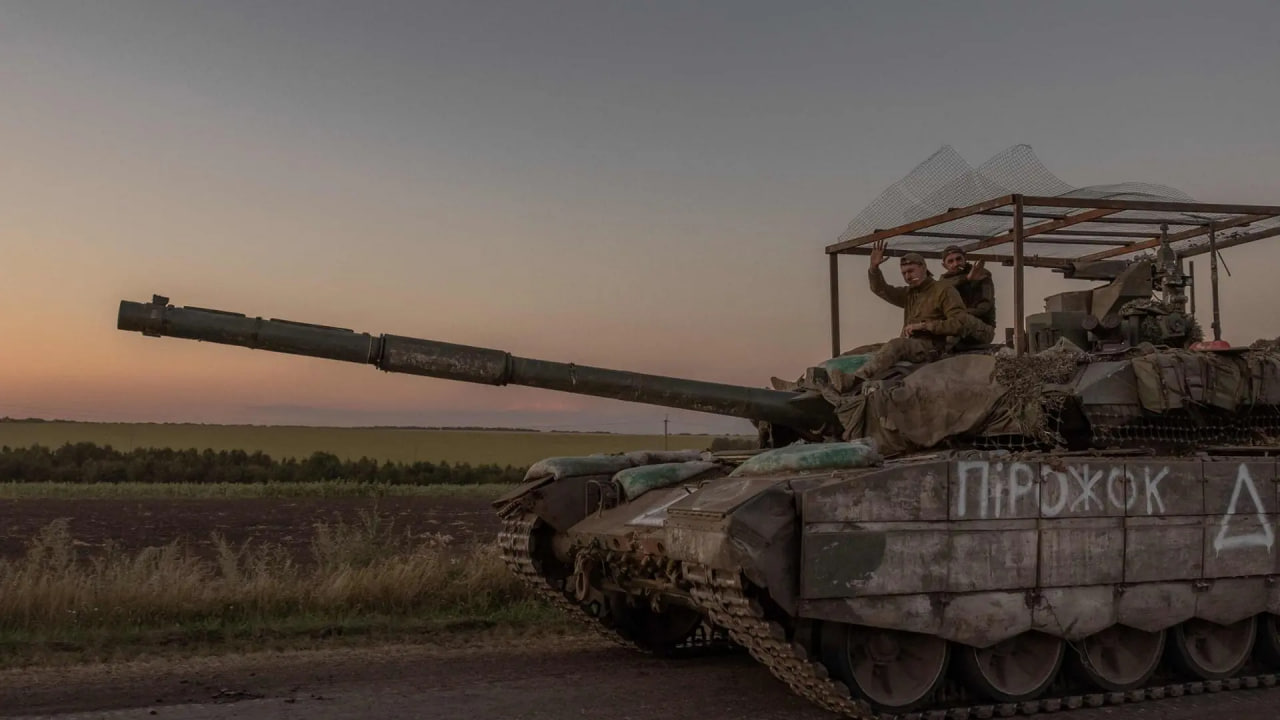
column 1101, row 229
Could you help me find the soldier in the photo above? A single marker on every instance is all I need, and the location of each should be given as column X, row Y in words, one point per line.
column 932, row 313
column 976, row 289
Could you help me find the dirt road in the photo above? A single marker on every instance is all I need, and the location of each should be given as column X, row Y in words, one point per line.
column 572, row 679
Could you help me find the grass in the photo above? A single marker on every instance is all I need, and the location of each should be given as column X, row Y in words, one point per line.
column 366, row 580
column 73, row 646
column 204, row 491
column 476, row 447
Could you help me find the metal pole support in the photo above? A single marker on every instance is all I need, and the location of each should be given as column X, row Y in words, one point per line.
column 1019, row 309
column 835, row 303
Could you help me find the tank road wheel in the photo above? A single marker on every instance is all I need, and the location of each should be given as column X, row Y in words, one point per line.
column 1210, row 651
column 1269, row 639
column 1119, row 658
column 890, row 669
column 1016, row 669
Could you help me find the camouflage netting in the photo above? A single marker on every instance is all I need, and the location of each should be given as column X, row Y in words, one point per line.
column 1191, row 397
column 1152, row 309
column 1232, row 382
column 1003, row 399
column 1176, row 396
column 1033, row 383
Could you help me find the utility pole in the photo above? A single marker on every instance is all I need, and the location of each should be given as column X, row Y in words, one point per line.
column 665, row 420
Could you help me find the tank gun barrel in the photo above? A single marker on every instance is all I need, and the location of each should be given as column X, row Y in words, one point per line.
column 466, row 363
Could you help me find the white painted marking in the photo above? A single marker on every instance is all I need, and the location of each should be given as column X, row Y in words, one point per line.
column 1263, row 537
column 657, row 517
column 997, row 489
column 963, row 468
column 1086, row 481
column 1152, row 485
column 1017, row 489
column 1000, row 488
column 1061, row 503
column 1120, row 472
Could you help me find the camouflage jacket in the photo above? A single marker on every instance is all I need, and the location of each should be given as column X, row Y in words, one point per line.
column 934, row 303
column 979, row 295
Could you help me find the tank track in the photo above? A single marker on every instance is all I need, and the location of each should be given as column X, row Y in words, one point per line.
column 515, row 541
column 722, row 594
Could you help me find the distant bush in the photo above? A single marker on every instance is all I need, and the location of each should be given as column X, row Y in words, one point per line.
column 91, row 463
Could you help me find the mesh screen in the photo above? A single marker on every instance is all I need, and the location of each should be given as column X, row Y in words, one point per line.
column 945, row 181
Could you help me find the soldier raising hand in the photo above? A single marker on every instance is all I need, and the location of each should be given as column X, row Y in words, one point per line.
column 932, row 312
column 976, row 289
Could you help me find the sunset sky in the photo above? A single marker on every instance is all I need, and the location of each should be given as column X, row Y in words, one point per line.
column 638, row 185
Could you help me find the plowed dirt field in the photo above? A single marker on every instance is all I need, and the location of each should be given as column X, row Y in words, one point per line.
column 289, row 522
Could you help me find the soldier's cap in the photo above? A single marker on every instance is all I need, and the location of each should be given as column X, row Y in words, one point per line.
column 912, row 258
column 952, row 250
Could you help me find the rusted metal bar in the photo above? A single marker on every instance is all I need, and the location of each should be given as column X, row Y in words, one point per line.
column 1152, row 205
column 1213, row 282
column 946, row 235
column 1019, row 327
column 1102, row 233
column 835, row 304
column 1233, row 241
column 1040, row 228
column 1075, row 241
column 920, row 224
column 1176, row 237
column 1002, row 258
column 1109, row 220
column 1073, row 233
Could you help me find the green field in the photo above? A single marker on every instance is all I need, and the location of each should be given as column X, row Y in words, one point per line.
column 202, row 491
column 476, row 447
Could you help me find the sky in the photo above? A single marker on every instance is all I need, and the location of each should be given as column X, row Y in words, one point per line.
column 645, row 186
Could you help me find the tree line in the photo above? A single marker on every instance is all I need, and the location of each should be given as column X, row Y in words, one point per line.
column 90, row 463
column 86, row 462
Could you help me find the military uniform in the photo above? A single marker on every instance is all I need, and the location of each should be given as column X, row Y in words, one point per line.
column 979, row 297
column 937, row 305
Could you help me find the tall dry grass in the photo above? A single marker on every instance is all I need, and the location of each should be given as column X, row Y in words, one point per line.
column 359, row 574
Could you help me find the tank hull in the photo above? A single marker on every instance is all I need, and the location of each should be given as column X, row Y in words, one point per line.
column 972, row 559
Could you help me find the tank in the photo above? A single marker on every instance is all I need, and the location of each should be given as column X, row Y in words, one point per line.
column 1090, row 523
